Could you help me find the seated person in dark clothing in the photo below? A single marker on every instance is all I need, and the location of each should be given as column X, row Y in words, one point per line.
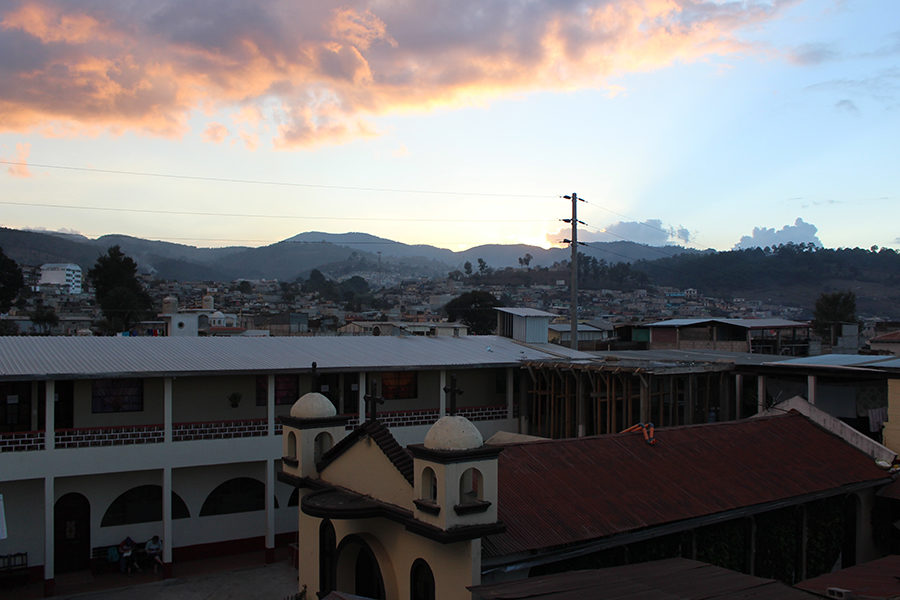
column 153, row 548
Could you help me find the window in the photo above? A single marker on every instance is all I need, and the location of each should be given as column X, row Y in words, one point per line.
column 117, row 395
column 242, row 494
column 287, row 389
column 399, row 385
column 292, row 446
column 429, row 484
column 421, row 581
column 142, row 504
column 323, row 443
column 470, row 487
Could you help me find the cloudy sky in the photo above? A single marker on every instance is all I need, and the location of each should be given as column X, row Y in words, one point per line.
column 709, row 123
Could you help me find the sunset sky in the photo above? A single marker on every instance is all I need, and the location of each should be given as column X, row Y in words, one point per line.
column 709, row 123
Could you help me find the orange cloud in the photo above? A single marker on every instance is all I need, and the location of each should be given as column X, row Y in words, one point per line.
column 20, row 166
column 215, row 133
column 316, row 74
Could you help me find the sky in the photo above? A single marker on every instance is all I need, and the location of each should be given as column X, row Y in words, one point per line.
column 704, row 123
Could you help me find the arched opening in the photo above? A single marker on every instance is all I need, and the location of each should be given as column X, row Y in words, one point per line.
column 292, row 446
column 357, row 569
column 142, row 504
column 242, row 494
column 429, row 485
column 471, row 487
column 421, row 581
column 323, row 443
column 71, row 533
column 851, row 518
column 327, row 558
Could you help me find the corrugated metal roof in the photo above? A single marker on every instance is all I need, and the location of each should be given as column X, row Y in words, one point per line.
column 746, row 323
column 840, row 360
column 562, row 492
column 876, row 579
column 525, row 312
column 565, row 327
column 40, row 357
column 670, row 579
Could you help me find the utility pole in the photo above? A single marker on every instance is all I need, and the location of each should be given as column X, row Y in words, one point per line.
column 573, row 307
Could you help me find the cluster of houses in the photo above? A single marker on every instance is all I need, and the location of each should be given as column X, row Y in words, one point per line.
column 442, row 465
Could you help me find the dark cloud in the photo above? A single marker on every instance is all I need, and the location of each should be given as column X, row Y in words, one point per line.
column 146, row 66
column 799, row 232
column 847, row 106
column 813, row 54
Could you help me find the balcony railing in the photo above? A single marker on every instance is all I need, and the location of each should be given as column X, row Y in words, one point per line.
column 219, row 430
column 86, row 437
column 21, row 441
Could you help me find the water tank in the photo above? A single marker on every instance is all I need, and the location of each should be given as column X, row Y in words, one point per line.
column 170, row 305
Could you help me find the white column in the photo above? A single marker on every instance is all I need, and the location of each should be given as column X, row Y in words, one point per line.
column 442, row 383
column 270, row 404
column 811, row 389
column 167, row 514
column 510, row 396
column 760, row 393
column 48, row 527
column 167, row 412
column 35, row 425
column 49, row 415
column 270, row 510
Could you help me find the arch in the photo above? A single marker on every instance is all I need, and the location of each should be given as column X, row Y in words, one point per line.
column 323, row 444
column 421, row 581
column 292, row 446
column 142, row 504
column 327, row 558
column 429, row 485
column 357, row 569
column 241, row 494
column 71, row 533
column 471, row 486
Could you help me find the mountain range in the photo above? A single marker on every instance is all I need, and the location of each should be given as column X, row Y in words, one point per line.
column 298, row 255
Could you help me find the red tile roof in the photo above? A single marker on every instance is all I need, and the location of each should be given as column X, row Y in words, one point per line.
column 892, row 336
column 877, row 579
column 562, row 492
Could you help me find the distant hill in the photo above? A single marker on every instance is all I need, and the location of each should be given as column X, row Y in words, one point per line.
column 295, row 256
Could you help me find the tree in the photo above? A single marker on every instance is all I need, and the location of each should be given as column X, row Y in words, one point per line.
column 44, row 317
column 475, row 309
column 245, row 287
column 11, row 281
column 467, row 268
column 524, row 261
column 482, row 266
column 831, row 309
column 120, row 295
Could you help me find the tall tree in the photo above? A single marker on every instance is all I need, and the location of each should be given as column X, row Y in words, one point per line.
column 11, row 281
column 120, row 295
column 832, row 309
column 475, row 309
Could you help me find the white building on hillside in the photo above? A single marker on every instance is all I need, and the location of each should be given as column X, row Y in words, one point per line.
column 62, row 274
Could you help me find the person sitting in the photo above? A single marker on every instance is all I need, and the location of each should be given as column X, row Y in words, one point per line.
column 153, row 548
column 126, row 556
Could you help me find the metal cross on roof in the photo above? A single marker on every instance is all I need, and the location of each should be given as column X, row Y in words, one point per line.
column 372, row 401
column 452, row 391
column 315, row 378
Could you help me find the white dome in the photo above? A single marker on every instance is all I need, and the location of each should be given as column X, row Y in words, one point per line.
column 313, row 406
column 453, row 433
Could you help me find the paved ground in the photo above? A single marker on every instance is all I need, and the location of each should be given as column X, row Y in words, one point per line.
column 237, row 577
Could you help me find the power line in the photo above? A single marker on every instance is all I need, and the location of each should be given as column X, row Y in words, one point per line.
column 262, row 216
column 265, row 182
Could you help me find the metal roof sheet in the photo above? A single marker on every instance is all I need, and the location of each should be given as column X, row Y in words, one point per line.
column 73, row 357
column 875, row 579
column 745, row 323
column 562, row 492
column 669, row 579
column 839, row 360
column 525, row 312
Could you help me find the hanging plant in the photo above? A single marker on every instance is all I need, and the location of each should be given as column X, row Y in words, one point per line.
column 234, row 398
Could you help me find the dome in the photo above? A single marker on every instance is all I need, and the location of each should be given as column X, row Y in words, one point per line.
column 313, row 406
column 453, row 433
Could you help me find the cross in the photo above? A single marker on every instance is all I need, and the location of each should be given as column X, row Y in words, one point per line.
column 315, row 378
column 372, row 401
column 453, row 391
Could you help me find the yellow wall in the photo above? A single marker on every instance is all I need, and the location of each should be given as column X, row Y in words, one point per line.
column 366, row 470
column 892, row 427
